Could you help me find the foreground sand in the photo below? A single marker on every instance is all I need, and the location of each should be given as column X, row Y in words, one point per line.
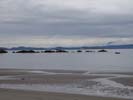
column 7, row 94
column 69, row 77
column 128, row 81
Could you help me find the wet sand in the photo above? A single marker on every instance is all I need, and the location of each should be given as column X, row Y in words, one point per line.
column 128, row 81
column 21, row 76
column 8, row 94
column 58, row 77
column 47, row 79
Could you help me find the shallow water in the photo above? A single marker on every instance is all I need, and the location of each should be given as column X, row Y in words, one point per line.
column 71, row 61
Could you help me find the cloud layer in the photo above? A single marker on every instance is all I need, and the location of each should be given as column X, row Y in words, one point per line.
column 66, row 18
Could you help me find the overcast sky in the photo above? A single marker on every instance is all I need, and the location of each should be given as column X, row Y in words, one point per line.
column 65, row 22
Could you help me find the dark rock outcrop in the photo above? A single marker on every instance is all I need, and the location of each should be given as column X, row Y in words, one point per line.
column 26, row 51
column 3, row 51
column 61, row 51
column 89, row 51
column 102, row 50
column 55, row 51
column 79, row 51
column 49, row 51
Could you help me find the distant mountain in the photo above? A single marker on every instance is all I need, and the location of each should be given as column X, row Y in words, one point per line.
column 127, row 46
column 26, row 48
column 41, row 48
column 3, row 48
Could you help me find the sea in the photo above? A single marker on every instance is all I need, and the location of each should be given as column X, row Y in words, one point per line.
column 90, row 61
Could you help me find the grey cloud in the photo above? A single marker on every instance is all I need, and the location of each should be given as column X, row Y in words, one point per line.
column 85, row 18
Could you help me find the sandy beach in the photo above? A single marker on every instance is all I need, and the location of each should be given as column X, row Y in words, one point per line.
column 6, row 94
column 27, row 84
column 128, row 81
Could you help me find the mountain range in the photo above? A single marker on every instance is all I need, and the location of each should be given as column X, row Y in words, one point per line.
column 126, row 46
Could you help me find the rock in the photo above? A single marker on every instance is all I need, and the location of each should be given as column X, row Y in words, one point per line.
column 102, row 50
column 3, row 51
column 79, row 51
column 26, row 51
column 49, row 51
column 61, row 51
column 89, row 51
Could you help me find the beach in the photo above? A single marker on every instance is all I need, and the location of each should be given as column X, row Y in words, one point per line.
column 7, row 94
column 41, row 84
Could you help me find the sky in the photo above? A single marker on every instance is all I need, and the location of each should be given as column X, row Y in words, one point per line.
column 46, row 23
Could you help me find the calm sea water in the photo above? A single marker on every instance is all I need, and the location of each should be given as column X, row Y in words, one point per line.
column 71, row 61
